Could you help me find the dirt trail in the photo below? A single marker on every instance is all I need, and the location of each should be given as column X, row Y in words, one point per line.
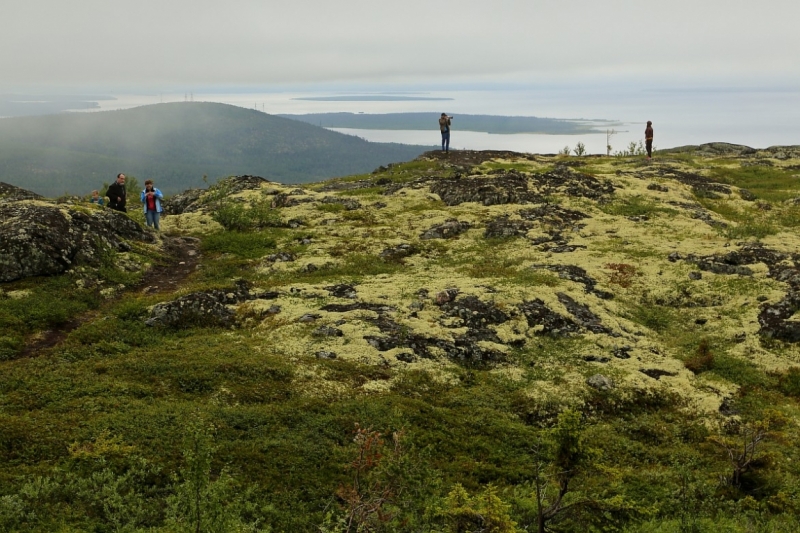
column 181, row 255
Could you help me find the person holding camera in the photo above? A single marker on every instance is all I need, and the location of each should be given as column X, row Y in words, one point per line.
column 151, row 198
column 444, row 127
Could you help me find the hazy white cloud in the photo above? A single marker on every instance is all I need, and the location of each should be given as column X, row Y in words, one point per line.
column 297, row 41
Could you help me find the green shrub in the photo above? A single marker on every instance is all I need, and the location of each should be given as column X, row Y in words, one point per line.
column 789, row 383
column 238, row 216
column 364, row 217
column 702, row 360
column 746, row 230
column 131, row 310
column 772, row 184
column 331, row 208
column 738, row 371
column 632, row 206
column 10, row 345
column 483, row 512
column 247, row 245
column 655, row 317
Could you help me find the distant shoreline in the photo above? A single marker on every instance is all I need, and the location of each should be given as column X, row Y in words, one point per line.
column 371, row 98
column 494, row 124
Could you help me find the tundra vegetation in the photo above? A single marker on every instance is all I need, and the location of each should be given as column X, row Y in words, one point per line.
column 478, row 341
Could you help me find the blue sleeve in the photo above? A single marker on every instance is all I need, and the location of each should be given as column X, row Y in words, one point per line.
column 141, row 197
column 158, row 193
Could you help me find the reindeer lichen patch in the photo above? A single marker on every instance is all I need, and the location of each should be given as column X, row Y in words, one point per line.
column 19, row 295
column 197, row 222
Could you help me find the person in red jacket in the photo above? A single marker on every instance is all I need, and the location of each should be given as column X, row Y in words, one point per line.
column 648, row 139
column 151, row 198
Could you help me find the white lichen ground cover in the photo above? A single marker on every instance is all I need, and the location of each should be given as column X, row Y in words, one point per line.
column 722, row 308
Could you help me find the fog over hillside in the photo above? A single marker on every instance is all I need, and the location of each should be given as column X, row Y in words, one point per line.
column 177, row 144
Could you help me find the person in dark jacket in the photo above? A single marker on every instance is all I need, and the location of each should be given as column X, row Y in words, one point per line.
column 648, row 139
column 444, row 127
column 116, row 194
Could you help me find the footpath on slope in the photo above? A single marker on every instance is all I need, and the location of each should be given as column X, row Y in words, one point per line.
column 181, row 256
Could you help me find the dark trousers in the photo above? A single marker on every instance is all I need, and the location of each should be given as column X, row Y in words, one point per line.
column 649, row 145
column 446, row 141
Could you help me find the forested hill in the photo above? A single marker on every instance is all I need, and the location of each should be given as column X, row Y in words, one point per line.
column 177, row 144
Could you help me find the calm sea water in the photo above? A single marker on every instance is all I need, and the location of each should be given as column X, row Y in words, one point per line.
column 757, row 118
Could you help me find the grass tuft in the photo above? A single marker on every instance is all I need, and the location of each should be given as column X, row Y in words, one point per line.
column 247, row 245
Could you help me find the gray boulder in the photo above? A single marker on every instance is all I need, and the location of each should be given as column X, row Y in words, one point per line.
column 192, row 200
column 503, row 227
column 509, row 188
column 350, row 204
column 185, row 202
column 45, row 240
column 12, row 192
column 445, row 230
column 600, row 382
column 206, row 308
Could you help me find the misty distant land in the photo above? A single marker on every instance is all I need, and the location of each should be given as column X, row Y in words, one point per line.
column 22, row 105
column 370, row 98
column 495, row 124
column 177, row 144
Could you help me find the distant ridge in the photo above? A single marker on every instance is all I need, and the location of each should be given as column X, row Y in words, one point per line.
column 176, row 144
column 481, row 123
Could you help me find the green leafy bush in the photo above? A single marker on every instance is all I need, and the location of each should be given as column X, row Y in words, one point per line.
column 635, row 206
column 702, row 360
column 238, row 216
column 247, row 245
column 789, row 383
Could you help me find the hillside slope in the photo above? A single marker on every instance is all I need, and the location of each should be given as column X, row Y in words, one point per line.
column 474, row 341
column 177, row 144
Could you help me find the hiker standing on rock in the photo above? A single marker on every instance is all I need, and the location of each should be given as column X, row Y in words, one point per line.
column 117, row 195
column 444, row 127
column 151, row 198
column 648, row 139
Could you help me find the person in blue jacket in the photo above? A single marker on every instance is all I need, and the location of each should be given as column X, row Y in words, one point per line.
column 97, row 199
column 151, row 198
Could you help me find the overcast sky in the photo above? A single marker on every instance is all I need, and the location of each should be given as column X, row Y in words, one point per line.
column 265, row 42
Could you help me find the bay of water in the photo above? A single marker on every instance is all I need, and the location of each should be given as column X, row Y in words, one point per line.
column 757, row 118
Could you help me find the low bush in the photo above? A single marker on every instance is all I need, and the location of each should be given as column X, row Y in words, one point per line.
column 247, row 245
column 789, row 383
column 622, row 274
column 635, row 206
column 238, row 216
column 702, row 360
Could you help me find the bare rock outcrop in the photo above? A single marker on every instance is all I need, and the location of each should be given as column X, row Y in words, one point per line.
column 193, row 200
column 12, row 192
column 185, row 202
column 445, row 230
column 510, row 188
column 205, row 308
column 38, row 239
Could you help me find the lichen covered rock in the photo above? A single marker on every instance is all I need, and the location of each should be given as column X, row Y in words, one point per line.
column 41, row 239
column 449, row 228
column 205, row 309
